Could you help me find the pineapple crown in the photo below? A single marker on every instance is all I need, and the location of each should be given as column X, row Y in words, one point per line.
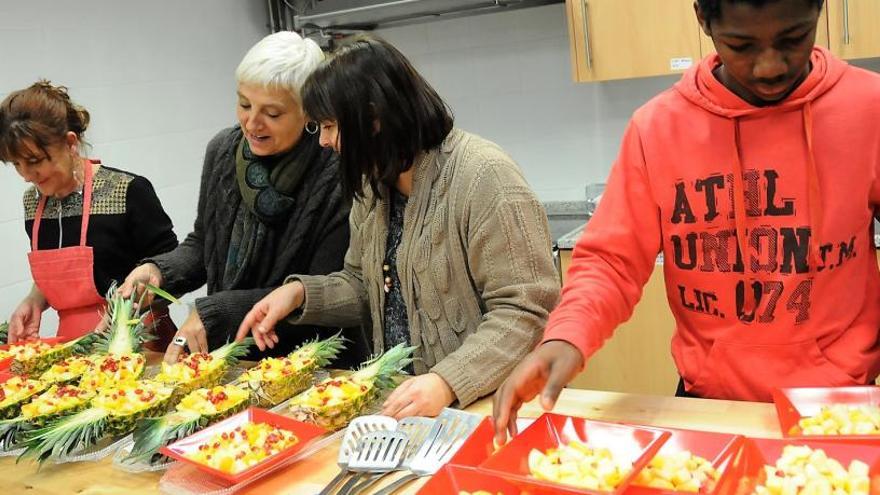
column 126, row 331
column 382, row 368
column 231, row 351
column 322, row 351
column 64, row 435
column 4, row 332
column 153, row 433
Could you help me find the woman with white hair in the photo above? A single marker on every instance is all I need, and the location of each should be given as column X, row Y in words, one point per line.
column 270, row 204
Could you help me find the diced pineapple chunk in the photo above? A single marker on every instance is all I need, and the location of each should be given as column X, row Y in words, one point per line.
column 804, row 471
column 580, row 465
column 842, row 419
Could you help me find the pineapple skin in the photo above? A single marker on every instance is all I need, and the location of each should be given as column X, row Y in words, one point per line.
column 44, row 420
column 207, row 380
column 123, row 424
column 270, row 393
column 41, row 363
column 14, row 410
column 337, row 416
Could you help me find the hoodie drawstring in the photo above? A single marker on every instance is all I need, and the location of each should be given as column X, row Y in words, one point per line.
column 814, row 203
column 739, row 216
column 814, row 193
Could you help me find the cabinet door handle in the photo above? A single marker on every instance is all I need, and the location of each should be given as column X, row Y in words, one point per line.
column 585, row 17
column 846, row 37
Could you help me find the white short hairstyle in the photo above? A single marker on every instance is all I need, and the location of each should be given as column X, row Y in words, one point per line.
column 280, row 60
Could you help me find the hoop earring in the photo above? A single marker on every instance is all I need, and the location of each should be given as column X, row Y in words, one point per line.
column 312, row 127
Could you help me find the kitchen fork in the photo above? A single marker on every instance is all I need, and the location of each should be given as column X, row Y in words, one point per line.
column 358, row 428
column 449, row 432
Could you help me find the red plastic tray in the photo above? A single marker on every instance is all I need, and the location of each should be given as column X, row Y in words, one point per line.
column 6, row 363
column 746, row 470
column 718, row 448
column 304, row 431
column 454, row 479
column 792, row 404
column 638, row 444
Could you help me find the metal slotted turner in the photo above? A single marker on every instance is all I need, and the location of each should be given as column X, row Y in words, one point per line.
column 377, row 452
column 417, row 429
column 449, row 432
column 358, row 428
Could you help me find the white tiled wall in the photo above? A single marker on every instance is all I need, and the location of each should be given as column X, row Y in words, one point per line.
column 157, row 77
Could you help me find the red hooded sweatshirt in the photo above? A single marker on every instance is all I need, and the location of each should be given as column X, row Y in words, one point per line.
column 765, row 220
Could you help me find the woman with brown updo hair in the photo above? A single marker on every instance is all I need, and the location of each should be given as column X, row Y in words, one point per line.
column 89, row 224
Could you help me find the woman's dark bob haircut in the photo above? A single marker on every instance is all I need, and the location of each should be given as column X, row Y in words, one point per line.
column 385, row 111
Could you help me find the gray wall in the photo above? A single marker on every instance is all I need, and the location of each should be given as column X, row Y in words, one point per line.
column 157, row 77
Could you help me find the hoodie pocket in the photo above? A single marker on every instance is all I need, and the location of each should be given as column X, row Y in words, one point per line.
column 744, row 371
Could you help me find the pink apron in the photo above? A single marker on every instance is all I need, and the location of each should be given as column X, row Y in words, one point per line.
column 66, row 276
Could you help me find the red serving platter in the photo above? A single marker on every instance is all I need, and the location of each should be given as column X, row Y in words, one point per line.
column 454, row 479
column 792, row 404
column 718, row 448
column 746, row 470
column 305, row 432
column 637, row 444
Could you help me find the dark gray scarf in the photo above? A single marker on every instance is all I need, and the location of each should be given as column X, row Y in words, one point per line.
column 267, row 186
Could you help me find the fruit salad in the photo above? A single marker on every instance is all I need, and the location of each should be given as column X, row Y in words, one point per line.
column 237, row 450
column 207, row 402
column 130, row 397
column 56, row 400
column 27, row 350
column 17, row 389
column 187, row 369
column 842, row 419
column 107, row 371
column 580, row 465
column 802, row 470
column 67, row 370
column 681, row 471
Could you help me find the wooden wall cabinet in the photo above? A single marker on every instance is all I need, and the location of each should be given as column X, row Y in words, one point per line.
column 621, row 39
column 854, row 28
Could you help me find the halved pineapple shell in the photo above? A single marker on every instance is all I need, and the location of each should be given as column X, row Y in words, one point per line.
column 201, row 370
column 129, row 402
column 67, row 370
column 32, row 358
column 55, row 402
column 334, row 402
column 15, row 392
column 109, row 370
column 274, row 380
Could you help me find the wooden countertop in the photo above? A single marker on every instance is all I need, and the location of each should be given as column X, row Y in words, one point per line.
column 309, row 475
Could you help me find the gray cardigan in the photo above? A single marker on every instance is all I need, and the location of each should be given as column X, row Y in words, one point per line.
column 475, row 266
column 312, row 240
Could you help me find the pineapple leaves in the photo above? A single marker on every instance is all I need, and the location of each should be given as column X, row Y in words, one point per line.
column 163, row 294
column 153, row 433
column 65, row 435
column 12, row 431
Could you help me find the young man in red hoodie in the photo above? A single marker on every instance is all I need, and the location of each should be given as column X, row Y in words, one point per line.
column 756, row 176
